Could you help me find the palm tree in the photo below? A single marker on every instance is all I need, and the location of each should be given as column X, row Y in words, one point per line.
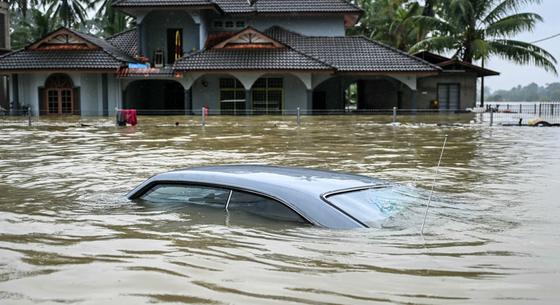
column 390, row 22
column 110, row 20
column 35, row 25
column 478, row 29
column 70, row 12
column 22, row 5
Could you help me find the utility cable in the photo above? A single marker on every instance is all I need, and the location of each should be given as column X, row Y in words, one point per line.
column 546, row 38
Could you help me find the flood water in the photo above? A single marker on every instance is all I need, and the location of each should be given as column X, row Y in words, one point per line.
column 68, row 235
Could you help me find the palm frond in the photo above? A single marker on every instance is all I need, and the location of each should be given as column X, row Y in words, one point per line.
column 513, row 24
column 523, row 53
column 435, row 44
column 435, row 24
column 506, row 7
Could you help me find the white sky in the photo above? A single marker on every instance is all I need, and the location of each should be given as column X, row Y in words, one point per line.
column 512, row 74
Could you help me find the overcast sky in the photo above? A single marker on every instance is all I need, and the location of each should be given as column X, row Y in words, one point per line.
column 512, row 74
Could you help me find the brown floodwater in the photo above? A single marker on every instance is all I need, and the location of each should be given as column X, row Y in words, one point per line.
column 68, row 235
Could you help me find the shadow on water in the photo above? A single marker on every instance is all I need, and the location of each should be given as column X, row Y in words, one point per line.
column 491, row 233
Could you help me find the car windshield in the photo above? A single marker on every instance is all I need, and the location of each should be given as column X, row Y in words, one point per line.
column 370, row 206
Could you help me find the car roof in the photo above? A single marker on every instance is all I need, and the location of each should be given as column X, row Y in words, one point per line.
column 300, row 188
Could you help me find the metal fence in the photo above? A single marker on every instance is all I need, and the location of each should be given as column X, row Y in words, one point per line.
column 521, row 113
column 512, row 113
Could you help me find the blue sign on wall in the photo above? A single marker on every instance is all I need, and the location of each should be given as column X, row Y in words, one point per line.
column 137, row 66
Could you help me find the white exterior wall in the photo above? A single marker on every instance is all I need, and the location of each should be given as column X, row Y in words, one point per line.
column 207, row 96
column 91, row 92
column 115, row 94
column 295, row 95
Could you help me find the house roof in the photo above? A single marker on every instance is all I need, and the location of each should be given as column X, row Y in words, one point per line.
column 454, row 64
column 243, row 6
column 248, row 59
column 58, row 60
column 81, row 51
column 352, row 53
column 295, row 51
column 162, row 3
column 126, row 41
column 287, row 6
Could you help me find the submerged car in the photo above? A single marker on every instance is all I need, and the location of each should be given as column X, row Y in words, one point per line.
column 320, row 198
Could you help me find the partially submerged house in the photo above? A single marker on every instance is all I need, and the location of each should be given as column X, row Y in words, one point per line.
column 233, row 56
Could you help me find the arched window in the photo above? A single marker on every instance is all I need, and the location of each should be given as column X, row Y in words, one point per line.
column 59, row 94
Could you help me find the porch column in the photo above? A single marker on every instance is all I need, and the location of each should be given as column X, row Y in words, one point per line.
column 105, row 93
column 248, row 101
column 414, row 104
column 188, row 101
column 15, row 94
column 309, row 102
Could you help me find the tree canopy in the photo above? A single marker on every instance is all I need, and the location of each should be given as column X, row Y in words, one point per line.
column 32, row 19
column 529, row 93
column 467, row 29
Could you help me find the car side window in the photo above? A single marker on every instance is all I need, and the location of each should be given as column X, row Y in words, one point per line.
column 262, row 206
column 193, row 194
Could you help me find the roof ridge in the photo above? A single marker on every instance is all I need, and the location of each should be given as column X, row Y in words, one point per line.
column 95, row 40
column 299, row 51
column 121, row 33
column 398, row 50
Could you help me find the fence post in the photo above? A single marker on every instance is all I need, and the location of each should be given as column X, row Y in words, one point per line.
column 29, row 116
column 491, row 116
column 394, row 114
column 540, row 109
column 298, row 116
column 535, row 109
column 520, row 108
column 203, row 118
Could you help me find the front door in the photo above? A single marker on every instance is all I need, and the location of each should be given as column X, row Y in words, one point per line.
column 60, row 101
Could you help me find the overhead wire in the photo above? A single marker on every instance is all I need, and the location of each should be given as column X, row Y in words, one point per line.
column 546, row 38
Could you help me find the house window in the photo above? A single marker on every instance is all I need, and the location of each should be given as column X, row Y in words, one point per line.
column 228, row 24
column 268, row 94
column 232, row 96
column 59, row 94
column 448, row 96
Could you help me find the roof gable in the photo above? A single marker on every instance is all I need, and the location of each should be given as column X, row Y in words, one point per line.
column 454, row 64
column 66, row 49
column 63, row 39
column 249, row 38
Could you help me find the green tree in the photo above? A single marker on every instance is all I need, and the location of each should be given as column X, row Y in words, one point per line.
column 390, row 22
column 109, row 20
column 33, row 26
column 22, row 6
column 71, row 13
column 478, row 29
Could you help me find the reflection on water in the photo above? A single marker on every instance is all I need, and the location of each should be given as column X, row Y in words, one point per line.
column 67, row 234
